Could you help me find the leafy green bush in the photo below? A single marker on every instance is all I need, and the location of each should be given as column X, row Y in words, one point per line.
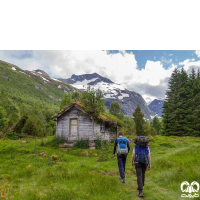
column 42, row 142
column 33, row 126
column 54, row 142
column 51, row 128
column 98, row 143
column 82, row 144
column 20, row 124
column 12, row 136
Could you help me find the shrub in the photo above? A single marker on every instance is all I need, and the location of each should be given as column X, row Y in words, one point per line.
column 33, row 126
column 12, row 136
column 54, row 142
column 82, row 144
column 42, row 142
column 98, row 143
column 51, row 127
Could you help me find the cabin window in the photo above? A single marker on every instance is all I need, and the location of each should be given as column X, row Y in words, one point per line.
column 102, row 127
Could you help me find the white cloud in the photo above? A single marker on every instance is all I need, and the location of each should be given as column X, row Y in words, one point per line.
column 198, row 53
column 148, row 98
column 165, row 61
column 188, row 64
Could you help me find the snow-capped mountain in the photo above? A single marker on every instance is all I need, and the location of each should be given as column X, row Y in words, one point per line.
column 111, row 91
column 39, row 71
column 156, row 106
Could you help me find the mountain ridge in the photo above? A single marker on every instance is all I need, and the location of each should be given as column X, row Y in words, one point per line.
column 156, row 106
column 40, row 83
column 111, row 91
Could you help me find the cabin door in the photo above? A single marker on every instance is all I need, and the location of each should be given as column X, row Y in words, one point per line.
column 73, row 129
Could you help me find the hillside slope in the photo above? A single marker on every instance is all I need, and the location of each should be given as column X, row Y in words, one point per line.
column 31, row 87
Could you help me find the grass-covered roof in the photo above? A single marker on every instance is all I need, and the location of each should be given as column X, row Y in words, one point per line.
column 105, row 117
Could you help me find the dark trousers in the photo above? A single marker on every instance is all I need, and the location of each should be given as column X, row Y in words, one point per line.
column 140, row 172
column 121, row 158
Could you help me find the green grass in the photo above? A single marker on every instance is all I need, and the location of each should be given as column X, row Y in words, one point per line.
column 77, row 174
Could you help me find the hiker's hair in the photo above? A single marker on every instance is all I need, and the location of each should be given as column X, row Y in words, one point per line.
column 121, row 133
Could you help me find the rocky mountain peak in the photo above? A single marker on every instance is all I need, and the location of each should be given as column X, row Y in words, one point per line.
column 156, row 106
column 39, row 71
column 111, row 91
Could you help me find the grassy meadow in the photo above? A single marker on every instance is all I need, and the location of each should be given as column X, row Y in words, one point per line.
column 42, row 171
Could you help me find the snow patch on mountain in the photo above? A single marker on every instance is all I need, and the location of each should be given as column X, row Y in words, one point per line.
column 82, row 85
column 55, row 79
column 24, row 73
column 44, row 78
column 123, row 95
column 13, row 68
column 156, row 106
column 108, row 96
column 111, row 92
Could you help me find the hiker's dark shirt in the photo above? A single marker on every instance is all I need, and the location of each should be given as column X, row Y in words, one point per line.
column 115, row 146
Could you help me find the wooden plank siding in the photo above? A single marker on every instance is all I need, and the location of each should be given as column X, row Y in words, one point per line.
column 85, row 127
column 88, row 127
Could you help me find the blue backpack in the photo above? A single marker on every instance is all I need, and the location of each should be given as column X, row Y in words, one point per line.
column 141, row 154
column 122, row 145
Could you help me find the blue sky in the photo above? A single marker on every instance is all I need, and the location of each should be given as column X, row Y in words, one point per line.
column 145, row 72
column 167, row 57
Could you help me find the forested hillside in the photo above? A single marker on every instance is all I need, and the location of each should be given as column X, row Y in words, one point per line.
column 24, row 92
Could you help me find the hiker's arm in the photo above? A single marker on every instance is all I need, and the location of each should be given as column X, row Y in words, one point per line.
column 149, row 158
column 133, row 157
column 128, row 147
column 115, row 146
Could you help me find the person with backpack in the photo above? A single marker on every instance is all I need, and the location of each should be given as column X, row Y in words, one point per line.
column 141, row 159
column 122, row 146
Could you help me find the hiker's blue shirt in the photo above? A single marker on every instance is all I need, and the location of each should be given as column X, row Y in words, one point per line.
column 123, row 142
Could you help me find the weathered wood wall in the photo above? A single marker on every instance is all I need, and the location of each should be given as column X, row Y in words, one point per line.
column 88, row 127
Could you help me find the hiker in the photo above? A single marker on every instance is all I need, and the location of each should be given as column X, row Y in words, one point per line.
column 122, row 145
column 141, row 159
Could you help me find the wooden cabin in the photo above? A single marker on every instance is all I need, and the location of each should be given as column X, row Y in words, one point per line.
column 75, row 122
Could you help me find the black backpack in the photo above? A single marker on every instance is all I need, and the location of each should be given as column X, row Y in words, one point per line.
column 141, row 141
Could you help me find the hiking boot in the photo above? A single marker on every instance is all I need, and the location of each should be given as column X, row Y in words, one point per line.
column 123, row 180
column 140, row 194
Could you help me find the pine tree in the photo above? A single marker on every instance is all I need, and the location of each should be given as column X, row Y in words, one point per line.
column 191, row 106
column 139, row 121
column 181, row 109
column 169, row 104
column 175, row 104
column 196, row 104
